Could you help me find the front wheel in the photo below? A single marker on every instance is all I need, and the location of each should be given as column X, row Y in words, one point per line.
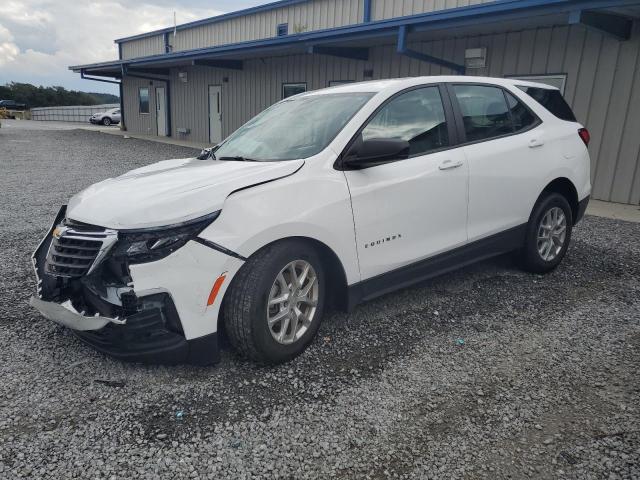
column 275, row 303
column 548, row 234
column 106, row 121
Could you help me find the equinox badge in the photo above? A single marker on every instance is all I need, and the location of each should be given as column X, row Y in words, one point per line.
column 396, row 236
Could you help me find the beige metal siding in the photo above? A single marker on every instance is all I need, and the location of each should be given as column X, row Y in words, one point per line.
column 306, row 16
column 135, row 121
column 143, row 47
column 383, row 9
column 603, row 87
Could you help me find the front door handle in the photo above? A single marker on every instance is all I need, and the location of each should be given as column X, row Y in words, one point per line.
column 449, row 164
column 535, row 142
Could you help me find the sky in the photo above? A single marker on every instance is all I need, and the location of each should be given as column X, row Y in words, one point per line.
column 39, row 39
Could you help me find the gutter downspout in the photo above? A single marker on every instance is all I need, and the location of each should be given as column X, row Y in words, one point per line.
column 367, row 11
column 123, row 125
column 403, row 50
column 167, row 82
column 84, row 77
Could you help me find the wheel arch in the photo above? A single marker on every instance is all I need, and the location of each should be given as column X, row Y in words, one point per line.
column 337, row 286
column 567, row 189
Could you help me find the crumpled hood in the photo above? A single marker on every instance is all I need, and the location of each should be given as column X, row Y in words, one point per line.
column 171, row 191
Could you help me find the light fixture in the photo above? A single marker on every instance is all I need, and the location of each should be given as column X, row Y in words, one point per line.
column 475, row 57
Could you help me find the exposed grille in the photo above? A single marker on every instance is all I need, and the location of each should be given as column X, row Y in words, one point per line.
column 73, row 252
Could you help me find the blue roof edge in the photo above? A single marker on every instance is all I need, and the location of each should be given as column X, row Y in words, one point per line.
column 439, row 16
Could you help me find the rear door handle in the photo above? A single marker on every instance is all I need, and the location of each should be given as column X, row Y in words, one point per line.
column 449, row 164
column 535, row 142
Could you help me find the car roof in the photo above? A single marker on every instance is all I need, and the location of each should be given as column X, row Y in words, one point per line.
column 375, row 86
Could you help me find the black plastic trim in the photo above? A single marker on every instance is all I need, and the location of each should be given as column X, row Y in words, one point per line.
column 582, row 207
column 150, row 335
column 511, row 239
column 198, row 351
column 219, row 248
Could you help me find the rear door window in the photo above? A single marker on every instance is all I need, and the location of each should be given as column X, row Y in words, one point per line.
column 521, row 116
column 484, row 110
column 552, row 100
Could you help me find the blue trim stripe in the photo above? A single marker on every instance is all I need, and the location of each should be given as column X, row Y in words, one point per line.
column 444, row 19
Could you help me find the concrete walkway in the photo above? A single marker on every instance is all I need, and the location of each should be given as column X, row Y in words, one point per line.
column 10, row 124
column 617, row 211
column 152, row 138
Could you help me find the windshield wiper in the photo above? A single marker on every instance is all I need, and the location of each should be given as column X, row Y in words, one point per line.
column 239, row 159
column 207, row 154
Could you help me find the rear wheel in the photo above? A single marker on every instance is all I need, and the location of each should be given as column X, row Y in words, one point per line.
column 275, row 303
column 106, row 121
column 548, row 233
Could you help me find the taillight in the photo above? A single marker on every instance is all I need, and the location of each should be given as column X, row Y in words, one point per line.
column 584, row 135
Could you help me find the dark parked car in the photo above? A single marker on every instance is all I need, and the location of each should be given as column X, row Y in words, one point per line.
column 12, row 105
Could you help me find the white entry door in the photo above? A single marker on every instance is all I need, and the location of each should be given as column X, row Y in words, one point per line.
column 161, row 111
column 215, row 114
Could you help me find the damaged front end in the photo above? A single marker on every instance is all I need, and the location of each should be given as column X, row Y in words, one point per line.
column 85, row 284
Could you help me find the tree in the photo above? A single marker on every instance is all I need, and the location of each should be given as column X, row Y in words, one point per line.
column 56, row 96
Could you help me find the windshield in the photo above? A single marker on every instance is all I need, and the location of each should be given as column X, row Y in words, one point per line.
column 296, row 128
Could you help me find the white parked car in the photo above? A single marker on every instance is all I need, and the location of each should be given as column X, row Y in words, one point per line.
column 107, row 118
column 325, row 199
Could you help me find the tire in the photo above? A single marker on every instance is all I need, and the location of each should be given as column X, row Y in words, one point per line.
column 106, row 121
column 246, row 313
column 539, row 255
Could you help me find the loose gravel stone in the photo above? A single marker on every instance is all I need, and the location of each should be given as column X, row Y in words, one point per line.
column 543, row 385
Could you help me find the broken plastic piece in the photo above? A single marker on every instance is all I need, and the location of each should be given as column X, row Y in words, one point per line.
column 111, row 383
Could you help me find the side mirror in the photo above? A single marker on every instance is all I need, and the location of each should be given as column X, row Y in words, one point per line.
column 375, row 151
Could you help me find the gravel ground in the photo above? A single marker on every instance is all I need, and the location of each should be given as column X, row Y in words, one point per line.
column 484, row 373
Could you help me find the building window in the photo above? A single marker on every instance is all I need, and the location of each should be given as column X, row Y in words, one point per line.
column 291, row 89
column 335, row 83
column 143, row 100
column 283, row 29
column 557, row 80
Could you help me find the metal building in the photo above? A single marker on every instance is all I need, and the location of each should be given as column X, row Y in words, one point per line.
column 200, row 81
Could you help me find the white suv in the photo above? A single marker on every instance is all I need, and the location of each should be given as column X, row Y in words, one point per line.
column 328, row 198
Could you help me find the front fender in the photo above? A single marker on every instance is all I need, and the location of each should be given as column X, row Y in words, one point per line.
column 315, row 206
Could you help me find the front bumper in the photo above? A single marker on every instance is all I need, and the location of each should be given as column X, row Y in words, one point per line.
column 66, row 315
column 154, row 313
column 147, row 336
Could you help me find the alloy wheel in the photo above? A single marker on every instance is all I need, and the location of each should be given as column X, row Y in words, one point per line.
column 552, row 233
column 292, row 303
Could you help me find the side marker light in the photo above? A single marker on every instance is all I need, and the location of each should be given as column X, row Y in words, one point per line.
column 216, row 288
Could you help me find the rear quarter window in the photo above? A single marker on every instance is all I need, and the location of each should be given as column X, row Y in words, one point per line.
column 552, row 100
